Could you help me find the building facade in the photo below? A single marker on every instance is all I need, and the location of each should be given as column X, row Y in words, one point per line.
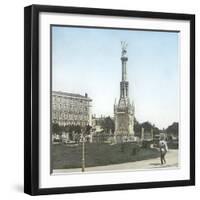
column 71, row 109
column 123, row 109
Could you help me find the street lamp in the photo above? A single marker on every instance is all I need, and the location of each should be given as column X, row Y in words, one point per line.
column 83, row 152
column 85, row 132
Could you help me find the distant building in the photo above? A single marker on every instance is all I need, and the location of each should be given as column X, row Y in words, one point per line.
column 123, row 109
column 71, row 109
column 97, row 123
column 147, row 135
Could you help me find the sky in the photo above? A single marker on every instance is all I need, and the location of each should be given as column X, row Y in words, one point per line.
column 87, row 60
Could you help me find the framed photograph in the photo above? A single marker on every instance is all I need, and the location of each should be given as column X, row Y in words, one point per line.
column 109, row 99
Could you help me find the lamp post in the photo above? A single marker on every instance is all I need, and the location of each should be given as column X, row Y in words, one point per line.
column 83, row 152
column 85, row 131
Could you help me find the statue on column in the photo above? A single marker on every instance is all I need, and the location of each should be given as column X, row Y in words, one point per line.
column 124, row 47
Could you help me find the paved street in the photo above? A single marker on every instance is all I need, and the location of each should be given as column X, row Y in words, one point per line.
column 171, row 157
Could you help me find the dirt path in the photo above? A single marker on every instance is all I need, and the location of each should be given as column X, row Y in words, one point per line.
column 171, row 157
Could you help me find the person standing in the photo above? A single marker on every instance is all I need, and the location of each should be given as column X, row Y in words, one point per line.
column 163, row 149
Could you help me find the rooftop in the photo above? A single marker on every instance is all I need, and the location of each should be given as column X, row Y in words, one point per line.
column 70, row 94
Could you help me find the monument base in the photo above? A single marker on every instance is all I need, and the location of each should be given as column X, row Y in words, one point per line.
column 125, row 138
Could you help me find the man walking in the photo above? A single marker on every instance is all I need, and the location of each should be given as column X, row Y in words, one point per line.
column 163, row 149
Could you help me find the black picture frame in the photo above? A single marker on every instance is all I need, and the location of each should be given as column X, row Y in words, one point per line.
column 31, row 98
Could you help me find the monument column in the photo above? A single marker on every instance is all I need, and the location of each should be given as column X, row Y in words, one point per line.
column 124, row 111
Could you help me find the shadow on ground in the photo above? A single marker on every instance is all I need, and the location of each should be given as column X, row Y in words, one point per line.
column 155, row 164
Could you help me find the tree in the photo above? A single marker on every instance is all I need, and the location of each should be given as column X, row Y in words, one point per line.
column 137, row 128
column 77, row 129
column 172, row 129
column 147, row 127
column 56, row 128
column 87, row 129
column 108, row 125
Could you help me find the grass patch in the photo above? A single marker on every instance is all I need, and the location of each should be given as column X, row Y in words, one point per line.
column 99, row 154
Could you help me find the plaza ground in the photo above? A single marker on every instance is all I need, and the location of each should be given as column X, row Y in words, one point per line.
column 153, row 163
